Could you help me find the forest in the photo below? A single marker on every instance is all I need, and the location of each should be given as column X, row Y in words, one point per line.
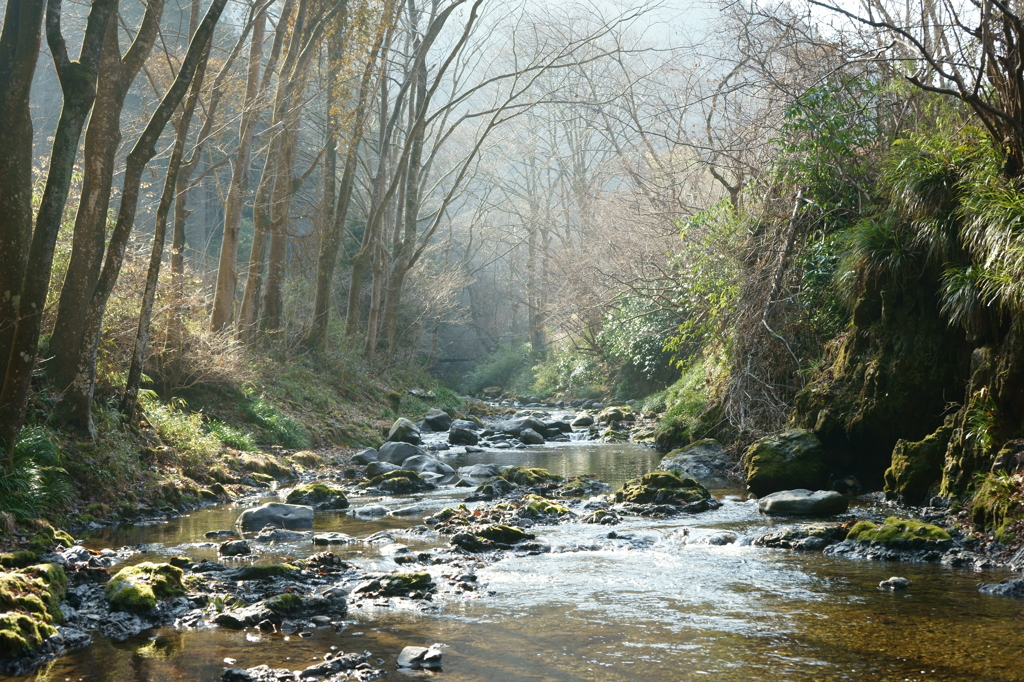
column 747, row 248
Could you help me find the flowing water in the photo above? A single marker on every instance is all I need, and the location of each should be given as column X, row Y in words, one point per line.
column 660, row 607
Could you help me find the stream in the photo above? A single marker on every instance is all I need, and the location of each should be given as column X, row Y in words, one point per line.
column 669, row 606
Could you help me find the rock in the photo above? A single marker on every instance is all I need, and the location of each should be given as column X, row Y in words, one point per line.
column 899, row 533
column 412, row 510
column 894, row 584
column 424, row 463
column 611, row 414
column 365, row 456
column 278, row 515
column 785, row 461
column 396, row 453
column 531, row 437
column 370, row 511
column 220, row 534
column 76, row 554
column 583, row 419
column 318, row 496
column 237, row 619
column 478, row 473
column 705, row 461
column 438, row 420
column 1011, row 587
column 234, row 548
column 399, row 482
column 138, row 589
column 418, row 657
column 374, row 469
column 803, row 503
column 559, row 426
column 812, row 536
column 322, row 539
column 515, row 426
column 466, row 424
column 470, row 449
column 917, row 466
column 271, row 534
column 662, row 487
column 404, row 431
column 460, row 436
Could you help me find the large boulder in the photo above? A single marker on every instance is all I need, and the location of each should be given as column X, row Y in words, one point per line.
column 404, row 431
column 438, row 420
column 422, row 463
column 139, row 588
column 365, row 456
column 785, row 461
column 319, row 496
column 917, row 467
column 399, row 482
column 803, row 503
column 704, row 461
column 531, row 437
column 582, row 420
column 515, row 426
column 278, row 515
column 478, row 473
column 900, row 533
column 459, row 436
column 396, row 453
column 611, row 414
column 662, row 487
column 467, row 424
column 377, row 468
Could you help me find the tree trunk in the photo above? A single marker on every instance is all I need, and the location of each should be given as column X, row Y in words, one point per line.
column 102, row 138
column 19, row 51
column 131, row 391
column 78, row 85
column 79, row 395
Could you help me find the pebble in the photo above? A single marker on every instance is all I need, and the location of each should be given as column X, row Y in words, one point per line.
column 894, row 583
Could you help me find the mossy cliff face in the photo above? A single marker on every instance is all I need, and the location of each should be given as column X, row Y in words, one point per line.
column 916, row 469
column 890, row 377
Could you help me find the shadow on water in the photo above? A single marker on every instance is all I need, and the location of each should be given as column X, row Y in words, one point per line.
column 659, row 607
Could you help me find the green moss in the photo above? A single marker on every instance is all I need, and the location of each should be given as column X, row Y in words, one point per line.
column 19, row 558
column 284, row 603
column 21, row 633
column 412, row 581
column 917, row 467
column 264, row 571
column 219, row 490
column 308, row 459
column 319, row 495
column 662, row 487
column 997, row 503
column 901, row 534
column 537, row 505
column 506, row 535
column 138, row 588
column 263, row 479
column 448, row 513
column 529, row 477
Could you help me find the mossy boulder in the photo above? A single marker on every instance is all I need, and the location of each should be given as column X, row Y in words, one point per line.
column 663, row 487
column 318, row 496
column 530, row 477
column 264, row 572
column 284, row 603
column 785, row 461
column 261, row 463
column 21, row 633
column 400, row 482
column 404, row 431
column 539, row 506
column 492, row 537
column 901, row 534
column 35, row 591
column 263, row 480
column 139, row 588
column 47, row 537
column 916, row 468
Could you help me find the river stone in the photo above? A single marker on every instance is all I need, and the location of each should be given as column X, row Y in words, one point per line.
column 515, row 426
column 412, row 510
column 459, row 436
column 278, row 515
column 425, row 464
column 894, row 583
column 467, row 424
column 374, row 469
column 704, row 461
column 611, row 414
column 333, row 539
column 370, row 511
column 404, row 431
column 1011, row 587
column 531, row 437
column 582, row 420
column 789, row 460
column 438, row 420
column 396, row 453
column 365, row 456
column 803, row 503
column 271, row 534
column 478, row 473
column 418, row 657
column 234, row 548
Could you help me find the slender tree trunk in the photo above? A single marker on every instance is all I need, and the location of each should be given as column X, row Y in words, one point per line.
column 131, row 391
column 80, row 393
column 222, row 314
column 19, row 51
column 78, row 85
column 102, row 139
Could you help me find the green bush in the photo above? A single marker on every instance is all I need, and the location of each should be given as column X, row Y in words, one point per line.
column 229, row 435
column 32, row 482
column 507, row 367
column 181, row 430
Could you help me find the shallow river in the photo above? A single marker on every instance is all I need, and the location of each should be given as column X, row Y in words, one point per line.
column 668, row 609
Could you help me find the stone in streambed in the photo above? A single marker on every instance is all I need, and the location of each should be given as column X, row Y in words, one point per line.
column 531, row 437
column 374, row 469
column 803, row 503
column 234, row 548
column 278, row 515
column 419, row 657
column 438, row 420
column 318, row 496
column 396, row 453
column 705, row 461
column 404, row 431
column 793, row 459
column 461, row 436
column 894, row 583
column 364, row 457
column 424, row 463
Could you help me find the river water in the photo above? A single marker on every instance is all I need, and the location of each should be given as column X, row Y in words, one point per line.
column 660, row 607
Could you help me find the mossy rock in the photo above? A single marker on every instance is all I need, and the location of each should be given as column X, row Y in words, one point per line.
column 208, row 495
column 538, row 506
column 19, row 558
column 220, row 491
column 263, row 479
column 318, row 496
column 35, row 590
column 901, row 534
column 284, row 603
column 20, row 633
column 529, row 477
column 221, row 475
column 505, row 535
column 449, row 513
column 308, row 459
column 917, row 467
column 613, row 436
column 264, row 572
column 662, row 487
column 138, row 588
column 47, row 537
column 996, row 505
column 788, row 460
column 412, row 581
column 400, row 482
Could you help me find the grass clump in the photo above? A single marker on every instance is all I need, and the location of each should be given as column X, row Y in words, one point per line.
column 901, row 534
column 239, row 439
